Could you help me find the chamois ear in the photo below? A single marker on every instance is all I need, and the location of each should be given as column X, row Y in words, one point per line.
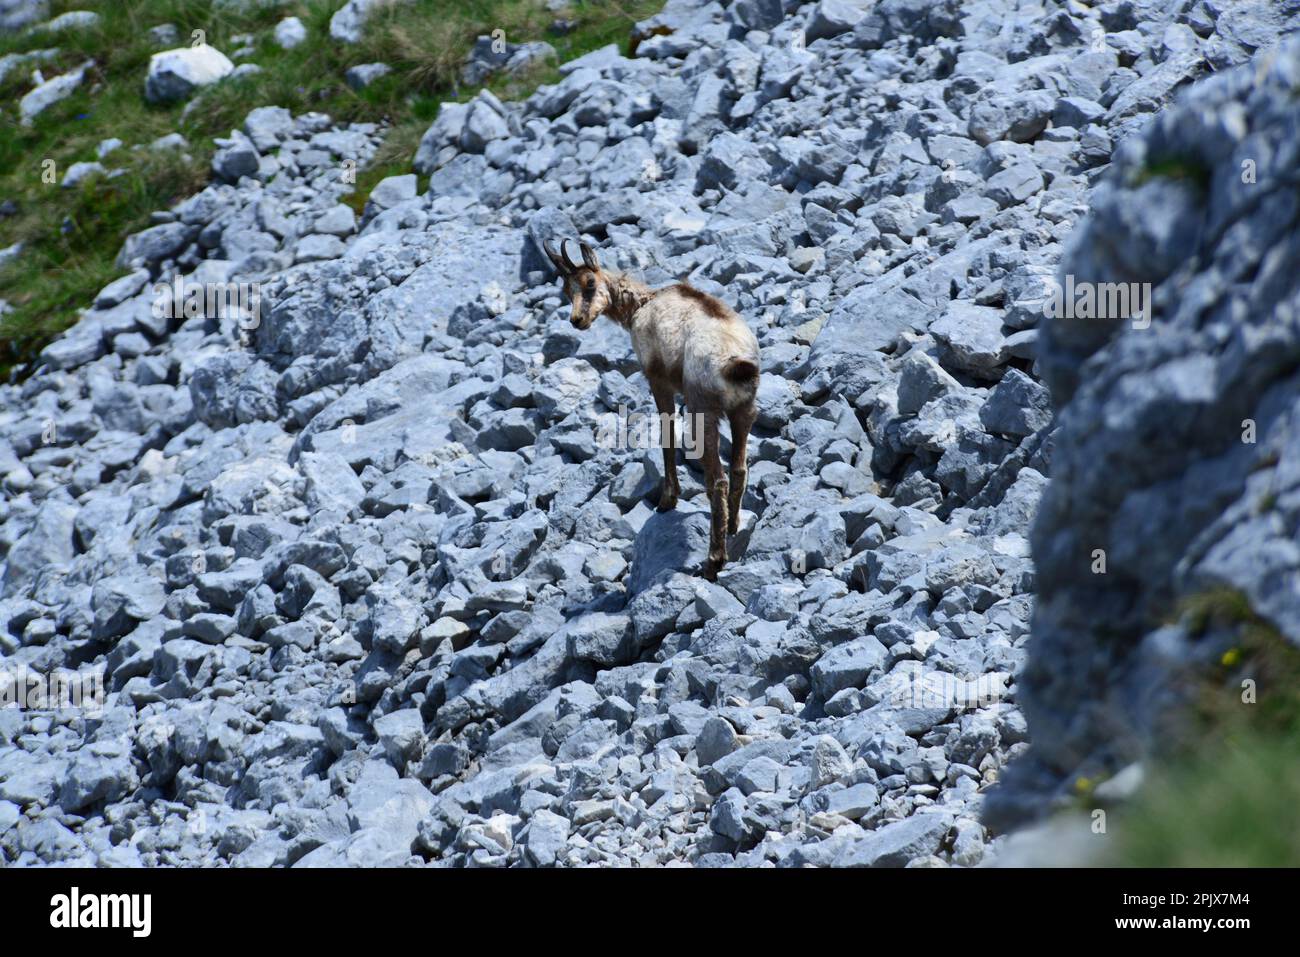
column 555, row 259
column 589, row 257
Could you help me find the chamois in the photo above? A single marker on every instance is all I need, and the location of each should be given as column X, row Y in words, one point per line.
column 690, row 344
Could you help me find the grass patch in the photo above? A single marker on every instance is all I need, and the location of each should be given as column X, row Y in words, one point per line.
column 1260, row 654
column 1182, row 168
column 393, row 158
column 1232, row 807
column 1229, row 795
column 71, row 237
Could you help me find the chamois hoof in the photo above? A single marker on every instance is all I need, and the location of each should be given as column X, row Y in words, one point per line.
column 733, row 524
column 712, row 567
column 667, row 502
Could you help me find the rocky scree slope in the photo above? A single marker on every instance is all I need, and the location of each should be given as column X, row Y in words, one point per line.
column 369, row 588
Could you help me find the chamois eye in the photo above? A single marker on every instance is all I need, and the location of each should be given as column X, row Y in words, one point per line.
column 591, row 285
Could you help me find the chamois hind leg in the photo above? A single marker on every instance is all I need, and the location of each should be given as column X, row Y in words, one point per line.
column 667, row 440
column 742, row 420
column 716, row 482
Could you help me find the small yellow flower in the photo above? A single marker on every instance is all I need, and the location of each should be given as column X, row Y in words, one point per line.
column 1083, row 785
column 1230, row 657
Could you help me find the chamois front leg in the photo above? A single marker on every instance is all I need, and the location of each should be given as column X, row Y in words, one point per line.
column 667, row 440
column 716, row 480
column 742, row 420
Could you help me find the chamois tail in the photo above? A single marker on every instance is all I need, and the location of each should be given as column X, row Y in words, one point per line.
column 739, row 370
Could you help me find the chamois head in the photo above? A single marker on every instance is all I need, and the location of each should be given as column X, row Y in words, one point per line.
column 583, row 284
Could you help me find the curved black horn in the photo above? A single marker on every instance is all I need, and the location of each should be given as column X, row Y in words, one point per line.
column 589, row 257
column 554, row 257
column 569, row 264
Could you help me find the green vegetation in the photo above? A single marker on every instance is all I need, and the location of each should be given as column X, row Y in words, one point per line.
column 1233, row 806
column 1230, row 794
column 71, row 236
column 1187, row 169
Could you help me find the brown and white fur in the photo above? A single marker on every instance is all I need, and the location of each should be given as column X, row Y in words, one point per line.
column 690, row 344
